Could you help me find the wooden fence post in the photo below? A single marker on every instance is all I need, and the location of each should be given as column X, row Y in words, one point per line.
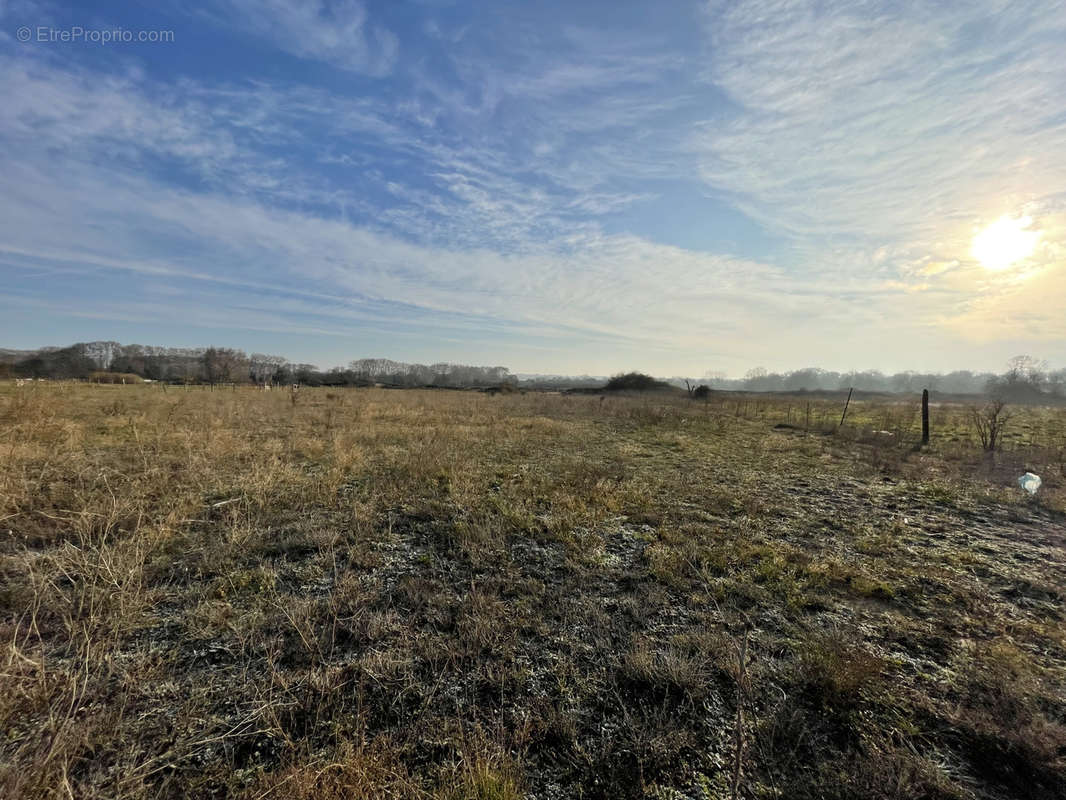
column 846, row 403
column 925, row 416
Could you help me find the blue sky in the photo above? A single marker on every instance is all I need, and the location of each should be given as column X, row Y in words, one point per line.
column 569, row 187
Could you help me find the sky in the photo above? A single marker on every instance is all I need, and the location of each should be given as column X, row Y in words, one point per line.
column 558, row 187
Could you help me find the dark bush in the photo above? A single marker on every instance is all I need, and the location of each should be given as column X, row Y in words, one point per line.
column 633, row 382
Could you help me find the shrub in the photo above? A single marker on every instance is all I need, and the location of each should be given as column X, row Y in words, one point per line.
column 989, row 423
column 633, row 382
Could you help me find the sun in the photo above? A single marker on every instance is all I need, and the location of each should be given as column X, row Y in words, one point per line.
column 1003, row 242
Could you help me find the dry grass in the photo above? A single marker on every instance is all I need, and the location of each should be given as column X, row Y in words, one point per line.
column 447, row 595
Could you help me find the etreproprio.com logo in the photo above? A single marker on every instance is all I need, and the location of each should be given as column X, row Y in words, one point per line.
column 76, row 34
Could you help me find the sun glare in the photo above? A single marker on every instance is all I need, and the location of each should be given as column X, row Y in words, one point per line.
column 1004, row 242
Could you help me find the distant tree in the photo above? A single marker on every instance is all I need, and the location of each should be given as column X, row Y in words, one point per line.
column 209, row 365
column 383, row 370
column 809, row 378
column 283, row 375
column 307, row 374
column 221, row 364
column 963, row 382
column 32, row 367
column 1025, row 369
column 127, row 363
column 262, row 368
column 1056, row 382
column 64, row 363
column 1024, row 381
column 759, row 380
column 155, row 368
column 903, row 382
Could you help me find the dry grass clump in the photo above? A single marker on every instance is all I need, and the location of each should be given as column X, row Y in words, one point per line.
column 376, row 594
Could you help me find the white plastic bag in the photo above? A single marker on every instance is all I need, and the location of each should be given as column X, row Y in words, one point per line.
column 1030, row 482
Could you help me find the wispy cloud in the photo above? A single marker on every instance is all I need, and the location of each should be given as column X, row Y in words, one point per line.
column 896, row 129
column 887, row 120
column 338, row 32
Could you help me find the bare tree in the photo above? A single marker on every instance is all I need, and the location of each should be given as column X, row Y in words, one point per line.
column 755, row 379
column 1025, row 369
column 221, row 364
column 1057, row 382
column 262, row 368
column 990, row 422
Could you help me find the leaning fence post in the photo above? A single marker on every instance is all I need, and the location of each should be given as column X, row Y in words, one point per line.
column 846, row 402
column 925, row 416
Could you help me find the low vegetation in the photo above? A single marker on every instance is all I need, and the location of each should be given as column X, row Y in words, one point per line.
column 362, row 593
column 634, row 382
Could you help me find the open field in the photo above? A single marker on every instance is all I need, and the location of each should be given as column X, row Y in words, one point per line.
column 371, row 594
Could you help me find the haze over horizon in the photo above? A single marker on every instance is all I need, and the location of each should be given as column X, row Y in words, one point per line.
column 557, row 189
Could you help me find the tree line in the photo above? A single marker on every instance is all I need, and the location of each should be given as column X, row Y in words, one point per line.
column 224, row 365
column 1025, row 378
